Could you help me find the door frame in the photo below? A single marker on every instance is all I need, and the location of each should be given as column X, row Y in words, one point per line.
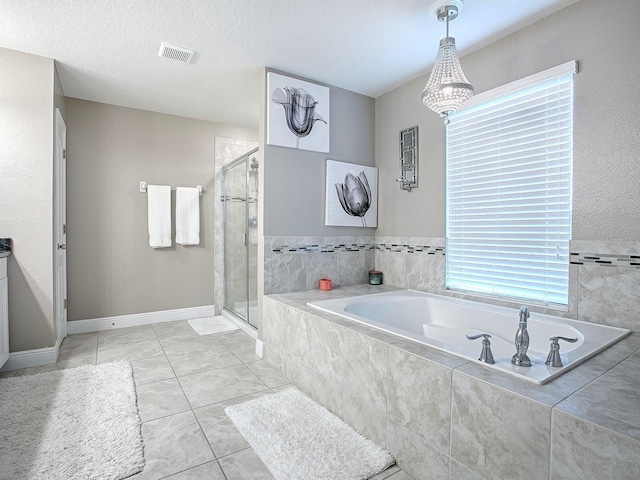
column 60, row 227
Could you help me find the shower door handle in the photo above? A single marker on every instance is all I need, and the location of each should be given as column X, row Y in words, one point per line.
column 244, row 238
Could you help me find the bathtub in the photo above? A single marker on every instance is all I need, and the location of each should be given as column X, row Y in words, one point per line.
column 443, row 323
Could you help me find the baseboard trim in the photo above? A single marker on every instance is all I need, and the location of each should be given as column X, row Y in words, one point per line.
column 133, row 320
column 31, row 358
column 259, row 348
column 49, row 355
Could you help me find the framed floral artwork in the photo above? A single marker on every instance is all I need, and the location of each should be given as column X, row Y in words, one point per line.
column 351, row 195
column 297, row 113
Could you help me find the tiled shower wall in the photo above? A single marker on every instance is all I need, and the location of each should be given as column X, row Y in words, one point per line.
column 603, row 276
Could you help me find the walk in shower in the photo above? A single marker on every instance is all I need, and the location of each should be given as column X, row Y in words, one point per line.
column 240, row 209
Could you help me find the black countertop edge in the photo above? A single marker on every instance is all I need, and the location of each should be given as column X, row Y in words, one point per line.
column 5, row 247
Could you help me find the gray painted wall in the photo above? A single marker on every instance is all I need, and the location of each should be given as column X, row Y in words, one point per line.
column 606, row 140
column 26, row 136
column 111, row 268
column 294, row 180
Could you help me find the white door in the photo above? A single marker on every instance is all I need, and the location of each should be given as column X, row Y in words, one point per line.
column 60, row 226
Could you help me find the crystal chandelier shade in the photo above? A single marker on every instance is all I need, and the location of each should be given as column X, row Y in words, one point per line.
column 448, row 88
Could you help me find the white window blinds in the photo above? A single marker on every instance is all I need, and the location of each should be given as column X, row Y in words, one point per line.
column 509, row 162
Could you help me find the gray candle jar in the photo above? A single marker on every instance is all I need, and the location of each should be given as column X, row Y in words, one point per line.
column 375, row 277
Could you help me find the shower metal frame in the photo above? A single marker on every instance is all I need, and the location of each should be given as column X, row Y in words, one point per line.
column 249, row 161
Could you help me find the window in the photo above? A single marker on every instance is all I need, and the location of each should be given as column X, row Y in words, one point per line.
column 509, row 163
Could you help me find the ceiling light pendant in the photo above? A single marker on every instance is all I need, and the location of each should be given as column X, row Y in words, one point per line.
column 447, row 89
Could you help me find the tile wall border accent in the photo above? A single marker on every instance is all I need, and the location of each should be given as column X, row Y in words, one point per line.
column 407, row 248
column 608, row 254
column 356, row 247
column 280, row 245
column 605, row 260
column 612, row 254
column 435, row 246
column 329, row 248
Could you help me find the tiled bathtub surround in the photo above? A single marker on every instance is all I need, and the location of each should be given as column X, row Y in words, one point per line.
column 446, row 418
column 605, row 293
column 608, row 292
column 298, row 263
column 419, row 263
column 412, row 262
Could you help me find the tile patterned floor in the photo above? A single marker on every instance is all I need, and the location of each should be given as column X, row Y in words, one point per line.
column 183, row 382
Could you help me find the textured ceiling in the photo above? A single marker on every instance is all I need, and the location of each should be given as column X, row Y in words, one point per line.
column 107, row 50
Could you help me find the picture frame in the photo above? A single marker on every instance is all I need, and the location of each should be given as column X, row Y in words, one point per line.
column 351, row 198
column 297, row 113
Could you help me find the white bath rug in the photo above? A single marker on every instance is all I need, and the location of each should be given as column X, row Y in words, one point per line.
column 209, row 325
column 71, row 424
column 298, row 439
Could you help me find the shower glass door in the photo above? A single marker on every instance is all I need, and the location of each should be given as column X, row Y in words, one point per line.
column 240, row 237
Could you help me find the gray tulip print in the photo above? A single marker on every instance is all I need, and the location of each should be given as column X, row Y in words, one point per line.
column 299, row 110
column 355, row 195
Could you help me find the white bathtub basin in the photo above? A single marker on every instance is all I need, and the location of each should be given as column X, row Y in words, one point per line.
column 443, row 323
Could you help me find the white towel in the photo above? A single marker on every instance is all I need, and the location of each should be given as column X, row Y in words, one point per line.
column 187, row 216
column 159, row 213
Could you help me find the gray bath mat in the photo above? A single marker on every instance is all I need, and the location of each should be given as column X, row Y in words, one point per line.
column 297, row 438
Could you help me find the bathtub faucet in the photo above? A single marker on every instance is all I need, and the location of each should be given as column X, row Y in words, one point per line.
column 522, row 340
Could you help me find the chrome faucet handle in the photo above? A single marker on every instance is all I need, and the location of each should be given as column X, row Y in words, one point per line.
column 485, row 356
column 566, row 339
column 475, row 337
column 553, row 359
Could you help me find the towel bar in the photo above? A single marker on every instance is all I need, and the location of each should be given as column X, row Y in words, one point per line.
column 143, row 188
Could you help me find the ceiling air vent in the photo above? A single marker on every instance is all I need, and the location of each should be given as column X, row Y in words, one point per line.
column 175, row 53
